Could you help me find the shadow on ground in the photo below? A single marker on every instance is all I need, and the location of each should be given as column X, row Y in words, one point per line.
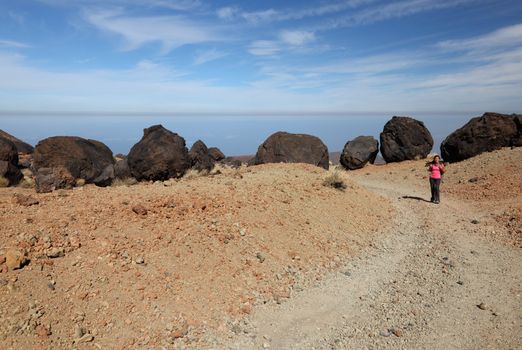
column 416, row 198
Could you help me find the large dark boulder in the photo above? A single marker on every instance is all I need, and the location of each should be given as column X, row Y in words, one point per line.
column 9, row 170
column 159, row 155
column 358, row 152
column 200, row 157
column 216, row 154
column 122, row 169
column 292, row 148
column 60, row 160
column 405, row 138
column 487, row 133
column 21, row 146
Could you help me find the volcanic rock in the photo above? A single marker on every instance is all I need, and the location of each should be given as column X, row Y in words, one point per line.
column 487, row 133
column 60, row 160
column 216, row 154
column 9, row 162
column 122, row 169
column 358, row 152
column 159, row 155
column 200, row 157
column 292, row 148
column 21, row 146
column 405, row 138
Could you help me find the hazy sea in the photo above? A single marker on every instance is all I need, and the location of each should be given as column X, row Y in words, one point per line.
column 234, row 135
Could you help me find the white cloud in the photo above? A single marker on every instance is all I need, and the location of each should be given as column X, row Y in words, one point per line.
column 13, row 44
column 180, row 5
column 227, row 13
column 170, row 31
column 503, row 37
column 208, row 55
column 264, row 48
column 297, row 37
column 391, row 10
column 269, row 15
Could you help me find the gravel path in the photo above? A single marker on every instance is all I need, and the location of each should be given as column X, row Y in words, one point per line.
column 429, row 283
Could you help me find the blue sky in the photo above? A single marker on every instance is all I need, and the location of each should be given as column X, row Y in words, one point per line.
column 165, row 58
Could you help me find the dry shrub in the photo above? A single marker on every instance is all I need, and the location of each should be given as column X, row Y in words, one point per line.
column 4, row 182
column 128, row 181
column 334, row 180
column 26, row 182
column 193, row 174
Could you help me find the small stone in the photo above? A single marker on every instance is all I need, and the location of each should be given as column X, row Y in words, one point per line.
column 266, row 346
column 482, row 306
column 25, row 201
column 261, row 257
column 140, row 210
column 475, row 222
column 78, row 332
column 42, row 331
column 385, row 333
column 397, row 332
column 460, row 283
column 55, row 253
column 86, row 338
column 242, row 232
column 139, row 260
column 51, row 286
column 15, row 259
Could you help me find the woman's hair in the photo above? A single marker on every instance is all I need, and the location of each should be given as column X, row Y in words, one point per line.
column 435, row 156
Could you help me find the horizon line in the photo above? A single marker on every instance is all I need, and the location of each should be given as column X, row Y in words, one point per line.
column 224, row 113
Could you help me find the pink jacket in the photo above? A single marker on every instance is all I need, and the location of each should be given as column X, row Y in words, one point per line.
column 436, row 171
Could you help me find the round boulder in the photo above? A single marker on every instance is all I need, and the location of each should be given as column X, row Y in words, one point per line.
column 10, row 174
column 293, row 148
column 200, row 157
column 60, row 160
column 487, row 133
column 405, row 138
column 216, row 154
column 358, row 152
column 159, row 155
column 21, row 146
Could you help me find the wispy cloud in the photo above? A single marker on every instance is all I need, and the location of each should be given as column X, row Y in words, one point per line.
column 504, row 37
column 390, row 10
column 209, row 55
column 297, row 37
column 270, row 14
column 13, row 44
column 170, row 31
column 264, row 48
column 180, row 5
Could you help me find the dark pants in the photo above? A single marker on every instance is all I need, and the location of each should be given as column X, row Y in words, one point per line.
column 435, row 190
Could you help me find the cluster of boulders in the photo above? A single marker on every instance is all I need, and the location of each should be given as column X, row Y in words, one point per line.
column 68, row 161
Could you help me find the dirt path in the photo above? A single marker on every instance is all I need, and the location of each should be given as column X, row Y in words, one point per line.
column 417, row 287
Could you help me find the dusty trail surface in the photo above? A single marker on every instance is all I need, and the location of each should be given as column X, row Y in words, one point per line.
column 269, row 257
column 445, row 276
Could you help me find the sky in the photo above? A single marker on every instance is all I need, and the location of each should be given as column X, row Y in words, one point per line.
column 231, row 72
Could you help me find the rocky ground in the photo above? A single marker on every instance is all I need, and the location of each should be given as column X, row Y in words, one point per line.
column 268, row 257
column 168, row 264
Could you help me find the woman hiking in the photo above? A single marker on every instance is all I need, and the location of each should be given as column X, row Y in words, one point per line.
column 436, row 169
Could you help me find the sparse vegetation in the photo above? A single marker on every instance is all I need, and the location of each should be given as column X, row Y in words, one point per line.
column 193, row 174
column 334, row 180
column 128, row 181
column 4, row 182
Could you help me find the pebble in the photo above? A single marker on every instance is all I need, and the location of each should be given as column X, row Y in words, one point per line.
column 261, row 257
column 397, row 332
column 55, row 253
column 15, row 259
column 140, row 260
column 385, row 333
column 475, row 222
column 482, row 306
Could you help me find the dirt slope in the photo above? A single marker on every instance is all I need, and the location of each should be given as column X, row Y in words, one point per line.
column 169, row 264
column 440, row 279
